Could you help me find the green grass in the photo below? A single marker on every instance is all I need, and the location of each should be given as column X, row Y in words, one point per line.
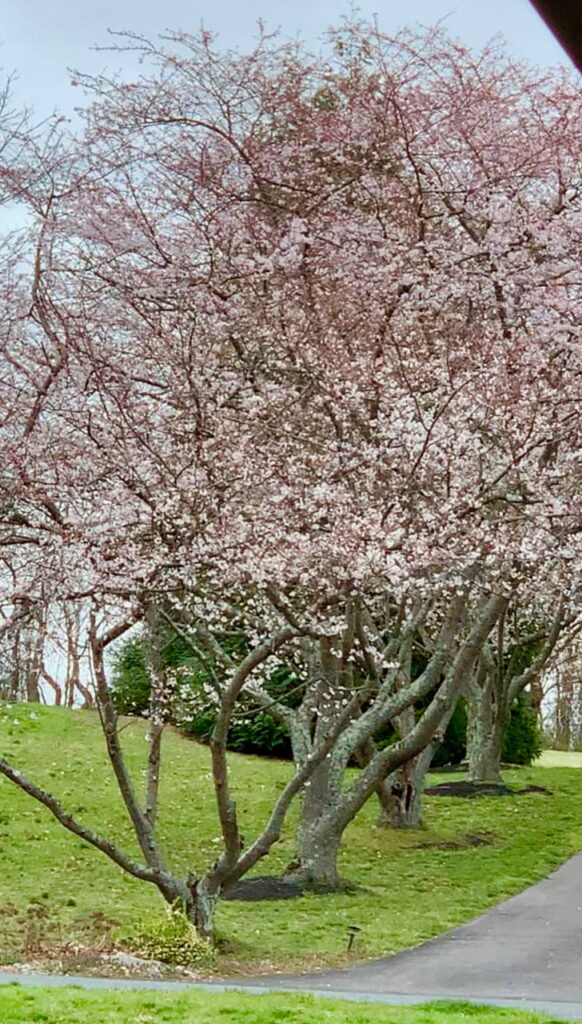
column 75, row 1006
column 560, row 759
column 55, row 889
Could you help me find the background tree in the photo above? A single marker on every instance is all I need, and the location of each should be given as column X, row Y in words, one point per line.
column 505, row 669
column 562, row 699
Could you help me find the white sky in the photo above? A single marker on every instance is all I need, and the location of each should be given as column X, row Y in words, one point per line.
column 39, row 39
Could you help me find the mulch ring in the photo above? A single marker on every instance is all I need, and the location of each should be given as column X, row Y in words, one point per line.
column 473, row 789
column 265, row 887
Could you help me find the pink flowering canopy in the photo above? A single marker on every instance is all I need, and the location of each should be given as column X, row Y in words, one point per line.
column 304, row 323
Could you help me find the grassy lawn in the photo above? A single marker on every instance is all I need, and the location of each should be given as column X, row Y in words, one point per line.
column 74, row 1006
column 55, row 889
column 560, row 759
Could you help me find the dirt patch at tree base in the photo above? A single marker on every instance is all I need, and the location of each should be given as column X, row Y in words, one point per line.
column 474, row 789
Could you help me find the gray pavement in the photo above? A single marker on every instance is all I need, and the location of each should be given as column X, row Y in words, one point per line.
column 525, row 953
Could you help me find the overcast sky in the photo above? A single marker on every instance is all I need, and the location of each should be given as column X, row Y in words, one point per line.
column 39, row 39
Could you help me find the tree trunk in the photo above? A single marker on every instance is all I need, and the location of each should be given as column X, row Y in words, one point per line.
column 405, row 807
column 86, row 694
column 55, row 687
column 34, row 666
column 563, row 713
column 32, row 687
column 486, row 719
column 537, row 698
column 316, row 867
column 201, row 907
column 405, row 784
column 318, row 837
column 404, row 787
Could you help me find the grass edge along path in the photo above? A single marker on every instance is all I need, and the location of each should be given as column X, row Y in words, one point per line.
column 72, row 1005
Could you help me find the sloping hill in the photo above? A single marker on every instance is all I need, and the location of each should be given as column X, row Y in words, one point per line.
column 56, row 891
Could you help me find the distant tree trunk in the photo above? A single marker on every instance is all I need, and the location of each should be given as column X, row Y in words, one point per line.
column 563, row 713
column 86, row 694
column 55, row 687
column 73, row 683
column 537, row 696
column 34, row 667
column 16, row 673
column 405, row 787
column 497, row 680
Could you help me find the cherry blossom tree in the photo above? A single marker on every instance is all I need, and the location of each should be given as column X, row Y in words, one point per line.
column 295, row 345
column 508, row 664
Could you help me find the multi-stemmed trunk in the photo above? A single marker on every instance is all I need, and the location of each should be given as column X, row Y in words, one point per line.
column 328, row 807
column 498, row 679
column 197, row 895
column 200, row 908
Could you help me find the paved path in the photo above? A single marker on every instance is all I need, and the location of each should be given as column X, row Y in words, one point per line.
column 525, row 953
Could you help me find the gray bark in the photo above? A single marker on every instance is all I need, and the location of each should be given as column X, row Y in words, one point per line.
column 158, row 686
column 406, row 784
column 72, row 620
column 201, row 907
column 494, row 686
column 316, row 867
column 34, row 667
column 487, row 714
column 318, row 841
column 198, row 895
column 338, row 807
column 405, row 789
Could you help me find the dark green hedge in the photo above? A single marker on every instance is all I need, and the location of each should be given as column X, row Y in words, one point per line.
column 522, row 741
